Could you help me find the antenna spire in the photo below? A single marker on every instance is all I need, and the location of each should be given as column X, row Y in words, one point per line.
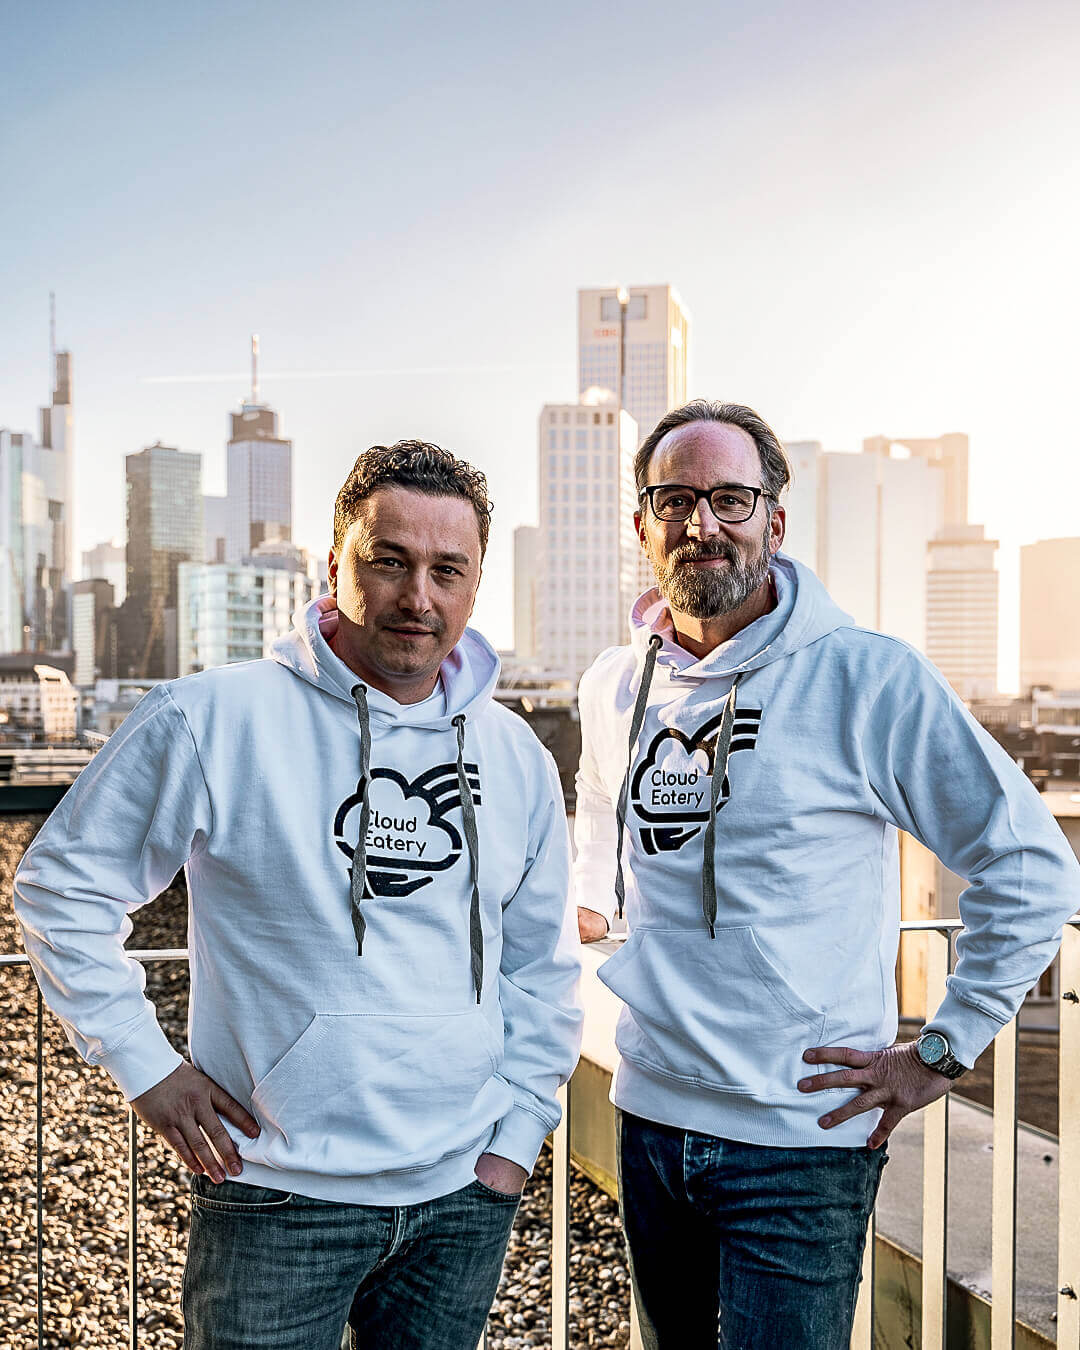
column 254, row 367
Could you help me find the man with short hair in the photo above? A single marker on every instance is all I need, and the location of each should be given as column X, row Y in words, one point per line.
column 746, row 764
column 383, row 956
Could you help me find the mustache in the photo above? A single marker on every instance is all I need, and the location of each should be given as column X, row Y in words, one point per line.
column 403, row 621
column 704, row 551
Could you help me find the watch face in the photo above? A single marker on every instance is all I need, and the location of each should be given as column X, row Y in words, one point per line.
column 932, row 1048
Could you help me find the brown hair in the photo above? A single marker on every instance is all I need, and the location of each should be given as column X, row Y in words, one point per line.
column 416, row 465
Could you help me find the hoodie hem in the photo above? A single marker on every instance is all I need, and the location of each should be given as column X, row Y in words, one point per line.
column 783, row 1123
column 411, row 1187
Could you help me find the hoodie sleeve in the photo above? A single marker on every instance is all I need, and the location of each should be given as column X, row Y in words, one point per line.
column 538, row 982
column 595, row 830
column 945, row 780
column 132, row 819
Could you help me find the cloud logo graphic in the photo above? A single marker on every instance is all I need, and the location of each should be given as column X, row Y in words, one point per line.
column 669, row 789
column 409, row 837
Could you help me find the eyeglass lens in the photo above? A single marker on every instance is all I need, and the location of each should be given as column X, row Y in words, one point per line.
column 730, row 504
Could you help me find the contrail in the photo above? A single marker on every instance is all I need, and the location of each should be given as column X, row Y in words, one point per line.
column 367, row 373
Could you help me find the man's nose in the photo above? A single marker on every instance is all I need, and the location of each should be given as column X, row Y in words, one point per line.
column 701, row 523
column 415, row 594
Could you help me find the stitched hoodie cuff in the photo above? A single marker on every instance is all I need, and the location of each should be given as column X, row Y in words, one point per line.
column 969, row 1030
column 519, row 1136
column 142, row 1060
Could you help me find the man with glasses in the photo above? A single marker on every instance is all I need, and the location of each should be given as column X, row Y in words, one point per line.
column 746, row 763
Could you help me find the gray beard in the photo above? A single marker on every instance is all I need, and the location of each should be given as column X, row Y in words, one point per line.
column 707, row 593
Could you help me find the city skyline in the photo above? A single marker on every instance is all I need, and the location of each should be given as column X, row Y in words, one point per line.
column 864, row 211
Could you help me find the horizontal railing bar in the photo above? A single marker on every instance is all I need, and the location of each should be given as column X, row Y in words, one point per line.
column 158, row 954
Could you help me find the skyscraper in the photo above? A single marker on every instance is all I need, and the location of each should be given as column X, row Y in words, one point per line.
column 1049, row 605
column 35, row 525
column 526, row 585
column 948, row 452
column 876, row 519
column 586, row 471
column 107, row 560
column 657, row 338
column 164, row 529
column 644, row 333
column 259, row 475
column 962, row 609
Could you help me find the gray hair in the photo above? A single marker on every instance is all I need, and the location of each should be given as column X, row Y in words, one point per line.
column 775, row 469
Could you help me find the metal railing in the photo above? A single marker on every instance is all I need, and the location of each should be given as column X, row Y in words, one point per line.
column 935, row 1176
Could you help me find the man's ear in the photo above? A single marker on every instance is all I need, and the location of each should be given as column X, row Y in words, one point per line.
column 777, row 529
column 331, row 572
column 640, row 528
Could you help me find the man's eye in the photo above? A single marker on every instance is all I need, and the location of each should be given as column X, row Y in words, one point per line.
column 447, row 571
column 387, row 562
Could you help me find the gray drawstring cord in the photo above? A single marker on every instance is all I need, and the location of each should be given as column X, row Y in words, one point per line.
column 655, row 643
column 358, row 874
column 468, row 813
column 721, row 754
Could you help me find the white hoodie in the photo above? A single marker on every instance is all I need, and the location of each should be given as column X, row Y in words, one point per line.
column 840, row 737
column 376, row 1078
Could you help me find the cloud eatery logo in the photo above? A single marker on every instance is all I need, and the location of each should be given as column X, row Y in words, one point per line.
column 409, row 837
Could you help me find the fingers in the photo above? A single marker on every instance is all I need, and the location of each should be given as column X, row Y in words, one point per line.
column 221, row 1142
column 890, row 1118
column 865, row 1101
column 839, row 1054
column 231, row 1109
column 172, row 1135
column 838, row 1078
column 198, row 1145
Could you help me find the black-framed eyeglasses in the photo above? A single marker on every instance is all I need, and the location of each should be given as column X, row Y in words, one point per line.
column 675, row 502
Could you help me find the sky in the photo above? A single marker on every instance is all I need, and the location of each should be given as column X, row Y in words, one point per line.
column 870, row 212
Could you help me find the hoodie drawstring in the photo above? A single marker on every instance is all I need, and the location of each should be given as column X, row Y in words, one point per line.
column 468, row 814
column 721, row 755
column 655, row 643
column 358, row 874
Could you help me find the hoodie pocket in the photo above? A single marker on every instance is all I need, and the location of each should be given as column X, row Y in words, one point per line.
column 714, row 1012
column 359, row 1094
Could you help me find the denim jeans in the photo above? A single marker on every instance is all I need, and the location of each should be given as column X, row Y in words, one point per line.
column 267, row 1270
column 742, row 1246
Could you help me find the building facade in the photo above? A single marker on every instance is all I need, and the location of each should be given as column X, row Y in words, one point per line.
column 585, row 457
column 962, row 610
column 37, row 702
column 92, row 604
column 107, row 561
column 259, row 477
column 1049, row 606
column 526, row 585
column 234, row 612
column 35, row 525
column 164, row 529
column 656, row 349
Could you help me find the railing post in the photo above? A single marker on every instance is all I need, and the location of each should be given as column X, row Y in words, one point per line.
column 1068, row 1304
column 39, row 1187
column 862, row 1330
column 935, row 1168
column 560, row 1226
column 133, row 1229
column 1003, row 1223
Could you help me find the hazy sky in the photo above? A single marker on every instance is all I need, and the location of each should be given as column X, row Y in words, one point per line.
column 871, row 212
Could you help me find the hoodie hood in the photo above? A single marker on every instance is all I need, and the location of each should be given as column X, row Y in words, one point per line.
column 469, row 674
column 803, row 614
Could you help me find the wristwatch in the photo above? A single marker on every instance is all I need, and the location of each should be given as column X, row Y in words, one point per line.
column 933, row 1049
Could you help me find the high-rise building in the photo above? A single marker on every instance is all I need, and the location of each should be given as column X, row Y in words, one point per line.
column 526, row 584
column 107, row 560
column 92, row 602
column 962, row 609
column 1049, row 605
column 948, row 452
column 215, row 528
column 586, row 476
column 652, row 330
column 259, row 475
column 233, row 613
column 876, row 519
column 164, row 529
column 35, row 526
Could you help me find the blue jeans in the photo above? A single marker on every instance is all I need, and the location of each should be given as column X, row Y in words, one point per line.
column 741, row 1246
column 267, row 1270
